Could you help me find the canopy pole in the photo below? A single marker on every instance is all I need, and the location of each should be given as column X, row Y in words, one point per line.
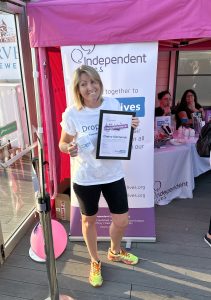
column 43, row 199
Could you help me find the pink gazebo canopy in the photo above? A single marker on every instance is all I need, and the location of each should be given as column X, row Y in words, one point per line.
column 56, row 23
column 76, row 22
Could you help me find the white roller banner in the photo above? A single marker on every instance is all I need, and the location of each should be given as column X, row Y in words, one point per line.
column 128, row 72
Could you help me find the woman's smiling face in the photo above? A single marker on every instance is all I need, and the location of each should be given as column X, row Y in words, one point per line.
column 90, row 91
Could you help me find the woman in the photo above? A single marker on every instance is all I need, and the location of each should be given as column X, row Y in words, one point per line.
column 90, row 176
column 165, row 103
column 188, row 105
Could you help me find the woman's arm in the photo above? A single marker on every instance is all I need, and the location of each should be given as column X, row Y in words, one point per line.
column 66, row 144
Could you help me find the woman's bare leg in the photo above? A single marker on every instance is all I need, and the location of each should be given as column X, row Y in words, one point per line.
column 90, row 235
column 117, row 229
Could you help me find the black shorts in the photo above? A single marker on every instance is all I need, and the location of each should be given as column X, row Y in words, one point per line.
column 115, row 194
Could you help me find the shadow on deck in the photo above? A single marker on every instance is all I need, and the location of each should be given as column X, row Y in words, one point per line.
column 177, row 266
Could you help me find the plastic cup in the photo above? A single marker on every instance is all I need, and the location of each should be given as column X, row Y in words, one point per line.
column 86, row 149
column 186, row 132
column 84, row 143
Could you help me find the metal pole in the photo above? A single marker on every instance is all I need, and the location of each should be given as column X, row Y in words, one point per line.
column 43, row 203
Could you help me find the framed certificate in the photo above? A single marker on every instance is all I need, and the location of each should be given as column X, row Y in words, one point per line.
column 114, row 135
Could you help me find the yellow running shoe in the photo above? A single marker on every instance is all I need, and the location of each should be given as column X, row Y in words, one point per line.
column 123, row 256
column 95, row 277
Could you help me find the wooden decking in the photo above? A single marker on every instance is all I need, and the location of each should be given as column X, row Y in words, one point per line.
column 177, row 266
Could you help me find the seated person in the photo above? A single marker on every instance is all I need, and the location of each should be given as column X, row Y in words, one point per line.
column 188, row 105
column 165, row 102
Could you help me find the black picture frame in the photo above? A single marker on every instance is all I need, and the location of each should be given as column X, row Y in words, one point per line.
column 101, row 140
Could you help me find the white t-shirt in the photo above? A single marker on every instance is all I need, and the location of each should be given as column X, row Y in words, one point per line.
column 85, row 168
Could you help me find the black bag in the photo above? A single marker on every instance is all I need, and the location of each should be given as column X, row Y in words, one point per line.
column 203, row 145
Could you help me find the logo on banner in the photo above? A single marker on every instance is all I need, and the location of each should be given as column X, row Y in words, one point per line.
column 81, row 56
column 133, row 104
column 77, row 55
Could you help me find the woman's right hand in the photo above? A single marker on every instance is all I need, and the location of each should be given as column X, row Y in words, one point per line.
column 167, row 111
column 72, row 149
column 192, row 107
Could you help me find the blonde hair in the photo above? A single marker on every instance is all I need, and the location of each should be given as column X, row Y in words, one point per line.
column 91, row 72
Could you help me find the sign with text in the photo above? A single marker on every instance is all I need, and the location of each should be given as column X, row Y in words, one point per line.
column 163, row 120
column 115, row 135
column 128, row 73
column 7, row 129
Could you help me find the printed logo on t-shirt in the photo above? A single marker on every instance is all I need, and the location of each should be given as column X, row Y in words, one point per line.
column 86, row 128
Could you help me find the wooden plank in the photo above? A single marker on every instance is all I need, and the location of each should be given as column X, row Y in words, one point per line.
column 177, row 266
column 22, row 290
column 35, row 280
column 155, row 267
column 147, row 293
column 200, row 249
column 5, row 297
column 109, row 288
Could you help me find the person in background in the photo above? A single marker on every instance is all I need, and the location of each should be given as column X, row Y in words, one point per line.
column 187, row 106
column 90, row 177
column 165, row 104
column 207, row 237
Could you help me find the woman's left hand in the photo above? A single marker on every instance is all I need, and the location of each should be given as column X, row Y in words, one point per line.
column 135, row 122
